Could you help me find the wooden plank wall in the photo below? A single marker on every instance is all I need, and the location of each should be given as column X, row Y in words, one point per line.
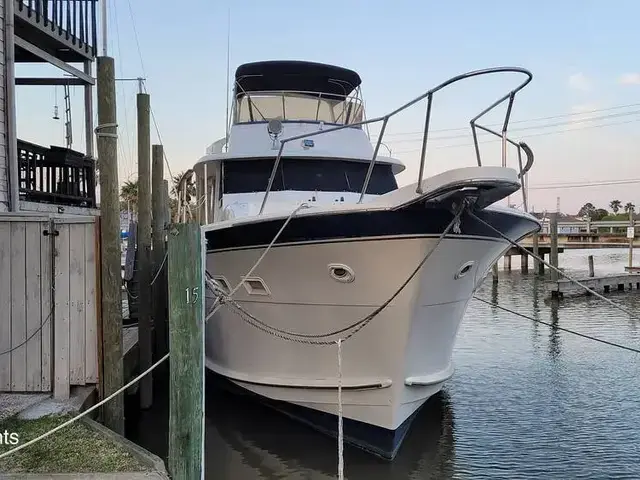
column 4, row 177
column 48, row 318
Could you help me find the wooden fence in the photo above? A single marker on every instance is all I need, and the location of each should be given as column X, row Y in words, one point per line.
column 48, row 303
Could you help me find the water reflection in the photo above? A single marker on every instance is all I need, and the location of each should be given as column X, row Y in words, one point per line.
column 246, row 440
column 554, row 337
column 273, row 446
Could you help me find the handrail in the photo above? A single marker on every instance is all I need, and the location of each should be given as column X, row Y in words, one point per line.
column 429, row 96
column 351, row 99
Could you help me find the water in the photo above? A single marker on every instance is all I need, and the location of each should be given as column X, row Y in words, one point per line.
column 526, row 401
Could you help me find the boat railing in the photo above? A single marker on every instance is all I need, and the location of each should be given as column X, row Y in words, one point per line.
column 510, row 97
column 299, row 105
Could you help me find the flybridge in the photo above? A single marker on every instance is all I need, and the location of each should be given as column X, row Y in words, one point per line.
column 297, row 91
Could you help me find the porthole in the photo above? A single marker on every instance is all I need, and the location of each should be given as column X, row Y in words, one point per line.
column 464, row 269
column 341, row 273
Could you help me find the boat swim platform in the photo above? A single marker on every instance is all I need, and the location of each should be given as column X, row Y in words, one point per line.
column 601, row 284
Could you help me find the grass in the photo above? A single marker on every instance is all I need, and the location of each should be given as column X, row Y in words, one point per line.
column 76, row 448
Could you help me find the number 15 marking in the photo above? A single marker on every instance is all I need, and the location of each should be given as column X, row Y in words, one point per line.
column 192, row 295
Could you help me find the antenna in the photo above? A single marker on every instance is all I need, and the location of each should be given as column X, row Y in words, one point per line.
column 104, row 28
column 226, row 120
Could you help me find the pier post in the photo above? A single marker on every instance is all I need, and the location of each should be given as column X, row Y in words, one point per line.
column 591, row 271
column 159, row 250
column 538, row 266
column 495, row 272
column 110, row 254
column 144, row 248
column 507, row 262
column 553, row 234
column 186, row 340
column 630, row 236
column 524, row 263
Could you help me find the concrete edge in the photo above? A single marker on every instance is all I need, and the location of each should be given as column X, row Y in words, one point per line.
column 147, row 458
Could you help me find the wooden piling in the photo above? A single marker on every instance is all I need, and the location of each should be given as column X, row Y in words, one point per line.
column 495, row 272
column 538, row 266
column 553, row 234
column 630, row 236
column 111, row 280
column 591, row 271
column 159, row 249
column 507, row 263
column 144, row 248
column 186, row 340
column 524, row 263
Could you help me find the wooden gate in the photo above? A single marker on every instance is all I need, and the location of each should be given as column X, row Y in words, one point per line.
column 48, row 303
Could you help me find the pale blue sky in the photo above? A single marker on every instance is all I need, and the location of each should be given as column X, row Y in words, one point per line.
column 583, row 55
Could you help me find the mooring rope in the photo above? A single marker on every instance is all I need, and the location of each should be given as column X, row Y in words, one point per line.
column 255, row 265
column 86, row 412
column 340, row 420
column 557, row 327
column 353, row 328
column 571, row 279
column 147, row 371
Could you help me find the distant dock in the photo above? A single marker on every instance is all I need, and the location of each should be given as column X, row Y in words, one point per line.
column 601, row 284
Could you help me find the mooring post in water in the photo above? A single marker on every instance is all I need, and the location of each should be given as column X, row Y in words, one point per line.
column 145, row 348
column 591, row 271
column 495, row 272
column 159, row 250
column 524, row 263
column 538, row 266
column 631, row 235
column 110, row 255
column 186, row 344
column 507, row 263
column 553, row 234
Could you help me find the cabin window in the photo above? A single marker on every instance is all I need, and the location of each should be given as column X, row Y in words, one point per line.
column 294, row 106
column 243, row 176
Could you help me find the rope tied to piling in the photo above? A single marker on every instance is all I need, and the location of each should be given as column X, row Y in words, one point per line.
column 99, row 133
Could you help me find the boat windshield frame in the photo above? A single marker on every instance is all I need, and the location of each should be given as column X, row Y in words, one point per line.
column 299, row 106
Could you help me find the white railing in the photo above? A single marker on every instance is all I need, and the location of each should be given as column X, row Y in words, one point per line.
column 510, row 96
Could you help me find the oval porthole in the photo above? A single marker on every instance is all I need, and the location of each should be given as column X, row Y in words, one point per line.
column 464, row 269
column 341, row 273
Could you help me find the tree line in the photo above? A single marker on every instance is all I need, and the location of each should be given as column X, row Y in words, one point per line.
column 592, row 212
column 129, row 194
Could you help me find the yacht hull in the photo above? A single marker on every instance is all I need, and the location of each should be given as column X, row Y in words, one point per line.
column 394, row 363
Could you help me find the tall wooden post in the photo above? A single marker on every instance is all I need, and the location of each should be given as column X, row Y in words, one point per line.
column 591, row 270
column 159, row 249
column 631, row 234
column 144, row 248
column 553, row 234
column 538, row 266
column 186, row 339
column 111, row 280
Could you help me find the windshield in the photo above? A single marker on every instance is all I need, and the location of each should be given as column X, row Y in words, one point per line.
column 298, row 106
column 243, row 176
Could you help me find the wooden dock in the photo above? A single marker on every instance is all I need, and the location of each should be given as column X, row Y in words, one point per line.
column 600, row 284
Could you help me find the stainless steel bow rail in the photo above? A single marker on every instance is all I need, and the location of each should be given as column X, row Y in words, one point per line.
column 510, row 96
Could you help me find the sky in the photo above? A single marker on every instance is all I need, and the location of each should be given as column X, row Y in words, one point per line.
column 583, row 56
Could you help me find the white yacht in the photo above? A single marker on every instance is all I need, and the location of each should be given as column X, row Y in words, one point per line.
column 388, row 269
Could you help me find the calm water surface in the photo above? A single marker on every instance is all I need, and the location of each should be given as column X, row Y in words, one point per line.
column 526, row 401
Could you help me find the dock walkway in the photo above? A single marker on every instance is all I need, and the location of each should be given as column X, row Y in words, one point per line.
column 600, row 284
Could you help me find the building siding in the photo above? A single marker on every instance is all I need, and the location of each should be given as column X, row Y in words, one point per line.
column 4, row 171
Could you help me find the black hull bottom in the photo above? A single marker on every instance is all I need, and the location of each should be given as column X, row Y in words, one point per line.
column 378, row 441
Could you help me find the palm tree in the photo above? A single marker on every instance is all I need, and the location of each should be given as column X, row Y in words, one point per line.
column 628, row 207
column 191, row 186
column 190, row 192
column 129, row 194
column 615, row 205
